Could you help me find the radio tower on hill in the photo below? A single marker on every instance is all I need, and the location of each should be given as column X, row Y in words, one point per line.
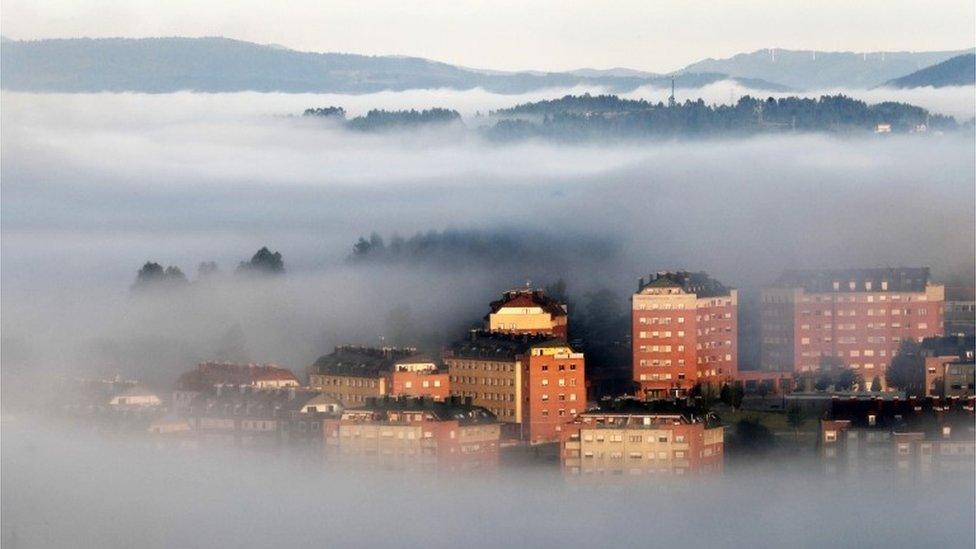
column 671, row 101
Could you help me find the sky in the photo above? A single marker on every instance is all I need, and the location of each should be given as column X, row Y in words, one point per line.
column 512, row 35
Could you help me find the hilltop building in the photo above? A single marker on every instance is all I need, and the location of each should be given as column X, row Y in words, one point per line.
column 415, row 434
column 854, row 318
column 533, row 384
column 354, row 374
column 684, row 327
column 633, row 437
column 529, row 312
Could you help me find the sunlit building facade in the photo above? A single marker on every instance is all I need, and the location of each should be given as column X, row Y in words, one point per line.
column 684, row 333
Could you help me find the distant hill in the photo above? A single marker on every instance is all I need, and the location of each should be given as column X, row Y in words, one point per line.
column 161, row 65
column 609, row 117
column 958, row 71
column 812, row 70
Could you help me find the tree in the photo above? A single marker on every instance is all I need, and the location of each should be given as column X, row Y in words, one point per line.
column 876, row 384
column 732, row 395
column 795, row 418
column 752, row 437
column 725, row 394
column 907, row 369
column 846, row 380
column 264, row 262
column 823, row 381
column 152, row 276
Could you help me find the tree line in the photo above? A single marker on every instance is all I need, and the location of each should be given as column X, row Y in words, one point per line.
column 584, row 117
column 153, row 276
column 378, row 119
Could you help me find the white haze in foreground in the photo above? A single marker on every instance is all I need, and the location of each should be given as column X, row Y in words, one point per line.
column 95, row 185
column 66, row 487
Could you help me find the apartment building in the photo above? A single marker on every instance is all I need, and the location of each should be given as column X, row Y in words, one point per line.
column 631, row 437
column 684, row 333
column 245, row 416
column 354, row 374
column 855, row 318
column 950, row 367
column 415, row 434
column 532, row 384
column 903, row 436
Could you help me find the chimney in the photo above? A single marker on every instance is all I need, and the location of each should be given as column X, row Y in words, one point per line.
column 640, row 284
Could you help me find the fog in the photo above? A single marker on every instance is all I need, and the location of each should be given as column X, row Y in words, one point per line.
column 93, row 186
column 66, row 487
column 96, row 185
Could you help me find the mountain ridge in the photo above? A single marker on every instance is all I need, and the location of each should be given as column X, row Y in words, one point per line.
column 955, row 71
column 218, row 64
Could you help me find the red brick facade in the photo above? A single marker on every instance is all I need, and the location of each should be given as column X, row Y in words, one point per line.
column 683, row 334
column 855, row 319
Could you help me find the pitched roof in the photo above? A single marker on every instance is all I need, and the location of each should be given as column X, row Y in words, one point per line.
column 452, row 409
column 529, row 298
column 502, row 346
column 348, row 360
column 209, row 374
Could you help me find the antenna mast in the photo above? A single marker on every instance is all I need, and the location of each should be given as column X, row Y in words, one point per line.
column 671, row 101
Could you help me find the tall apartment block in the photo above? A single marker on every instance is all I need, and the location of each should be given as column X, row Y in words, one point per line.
column 855, row 318
column 684, row 328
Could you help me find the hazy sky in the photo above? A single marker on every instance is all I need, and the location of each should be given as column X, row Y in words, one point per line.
column 506, row 34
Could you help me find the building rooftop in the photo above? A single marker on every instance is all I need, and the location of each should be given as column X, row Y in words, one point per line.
column 698, row 283
column 356, row 361
column 916, row 415
column 629, row 412
column 210, row 374
column 953, row 345
column 247, row 402
column 501, row 346
column 452, row 409
column 529, row 298
column 899, row 279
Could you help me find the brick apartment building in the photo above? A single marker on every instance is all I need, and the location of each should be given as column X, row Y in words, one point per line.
column 355, row 374
column 631, row 437
column 245, row 416
column 684, row 328
column 527, row 311
column 533, row 384
column 910, row 436
column 415, row 434
column 854, row 318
